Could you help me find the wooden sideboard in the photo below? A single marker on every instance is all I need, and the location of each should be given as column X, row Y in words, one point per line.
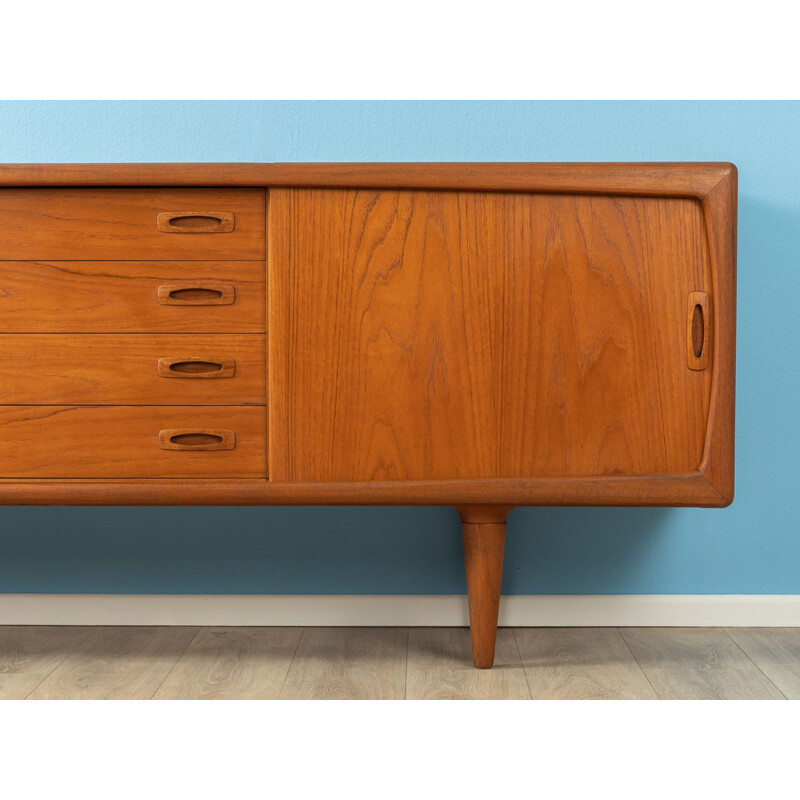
column 474, row 335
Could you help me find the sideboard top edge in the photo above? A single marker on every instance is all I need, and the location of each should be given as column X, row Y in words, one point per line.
column 693, row 179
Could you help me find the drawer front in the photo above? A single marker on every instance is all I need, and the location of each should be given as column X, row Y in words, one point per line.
column 132, row 224
column 132, row 296
column 132, row 369
column 131, row 442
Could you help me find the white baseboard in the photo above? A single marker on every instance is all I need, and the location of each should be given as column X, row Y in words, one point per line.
column 398, row 610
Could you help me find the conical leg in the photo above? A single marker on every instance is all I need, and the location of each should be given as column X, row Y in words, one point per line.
column 484, row 533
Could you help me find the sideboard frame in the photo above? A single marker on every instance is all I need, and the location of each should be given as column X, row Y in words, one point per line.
column 714, row 184
column 483, row 505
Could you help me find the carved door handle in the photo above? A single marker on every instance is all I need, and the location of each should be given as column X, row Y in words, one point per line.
column 196, row 439
column 698, row 331
column 196, row 367
column 196, row 294
column 195, row 221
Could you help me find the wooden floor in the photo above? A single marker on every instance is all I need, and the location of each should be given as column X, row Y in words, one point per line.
column 396, row 663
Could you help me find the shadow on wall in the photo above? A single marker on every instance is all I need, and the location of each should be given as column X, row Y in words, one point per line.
column 580, row 550
column 291, row 550
column 306, row 550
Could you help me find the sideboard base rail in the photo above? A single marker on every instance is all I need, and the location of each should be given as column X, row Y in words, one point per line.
column 691, row 489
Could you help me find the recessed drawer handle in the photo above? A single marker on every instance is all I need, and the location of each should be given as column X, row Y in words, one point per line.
column 196, row 294
column 194, row 439
column 196, row 367
column 195, row 221
column 698, row 331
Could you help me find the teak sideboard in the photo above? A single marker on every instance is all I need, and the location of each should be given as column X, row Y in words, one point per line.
column 474, row 335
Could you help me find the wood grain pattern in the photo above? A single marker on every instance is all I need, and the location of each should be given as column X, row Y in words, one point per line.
column 719, row 210
column 52, row 224
column 126, row 663
column 712, row 684
column 252, row 663
column 596, row 328
column 580, row 664
column 348, row 664
column 714, row 185
column 439, row 668
column 384, row 363
column 684, row 490
column 683, row 179
column 484, row 538
column 698, row 330
column 776, row 652
column 28, row 654
column 452, row 335
column 122, row 297
column 693, row 648
column 98, row 369
column 122, row 442
column 697, row 664
column 232, row 664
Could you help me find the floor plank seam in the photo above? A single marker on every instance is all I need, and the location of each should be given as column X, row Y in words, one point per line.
column 77, row 645
column 180, row 656
column 408, row 647
column 755, row 664
column 291, row 662
column 522, row 663
column 636, row 661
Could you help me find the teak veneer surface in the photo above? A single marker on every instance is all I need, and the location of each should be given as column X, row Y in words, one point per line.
column 455, row 335
column 601, row 437
column 122, row 296
column 563, row 435
column 122, row 442
column 99, row 369
column 616, row 490
column 685, row 179
column 53, row 224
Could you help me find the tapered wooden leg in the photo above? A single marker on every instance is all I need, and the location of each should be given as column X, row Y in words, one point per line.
column 484, row 531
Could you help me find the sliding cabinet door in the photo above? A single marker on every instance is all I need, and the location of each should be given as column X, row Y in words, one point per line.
column 437, row 335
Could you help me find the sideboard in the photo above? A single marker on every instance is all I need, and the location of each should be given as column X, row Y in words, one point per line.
column 476, row 335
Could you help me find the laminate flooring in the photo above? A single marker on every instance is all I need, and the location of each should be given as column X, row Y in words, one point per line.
column 183, row 663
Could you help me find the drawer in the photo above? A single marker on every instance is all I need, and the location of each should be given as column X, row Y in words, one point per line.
column 132, row 369
column 132, row 224
column 132, row 296
column 132, row 442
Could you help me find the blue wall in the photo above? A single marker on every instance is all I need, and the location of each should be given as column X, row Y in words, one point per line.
column 751, row 547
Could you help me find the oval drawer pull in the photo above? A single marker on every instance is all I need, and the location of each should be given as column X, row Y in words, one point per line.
column 698, row 331
column 196, row 439
column 196, row 367
column 195, row 221
column 196, row 294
